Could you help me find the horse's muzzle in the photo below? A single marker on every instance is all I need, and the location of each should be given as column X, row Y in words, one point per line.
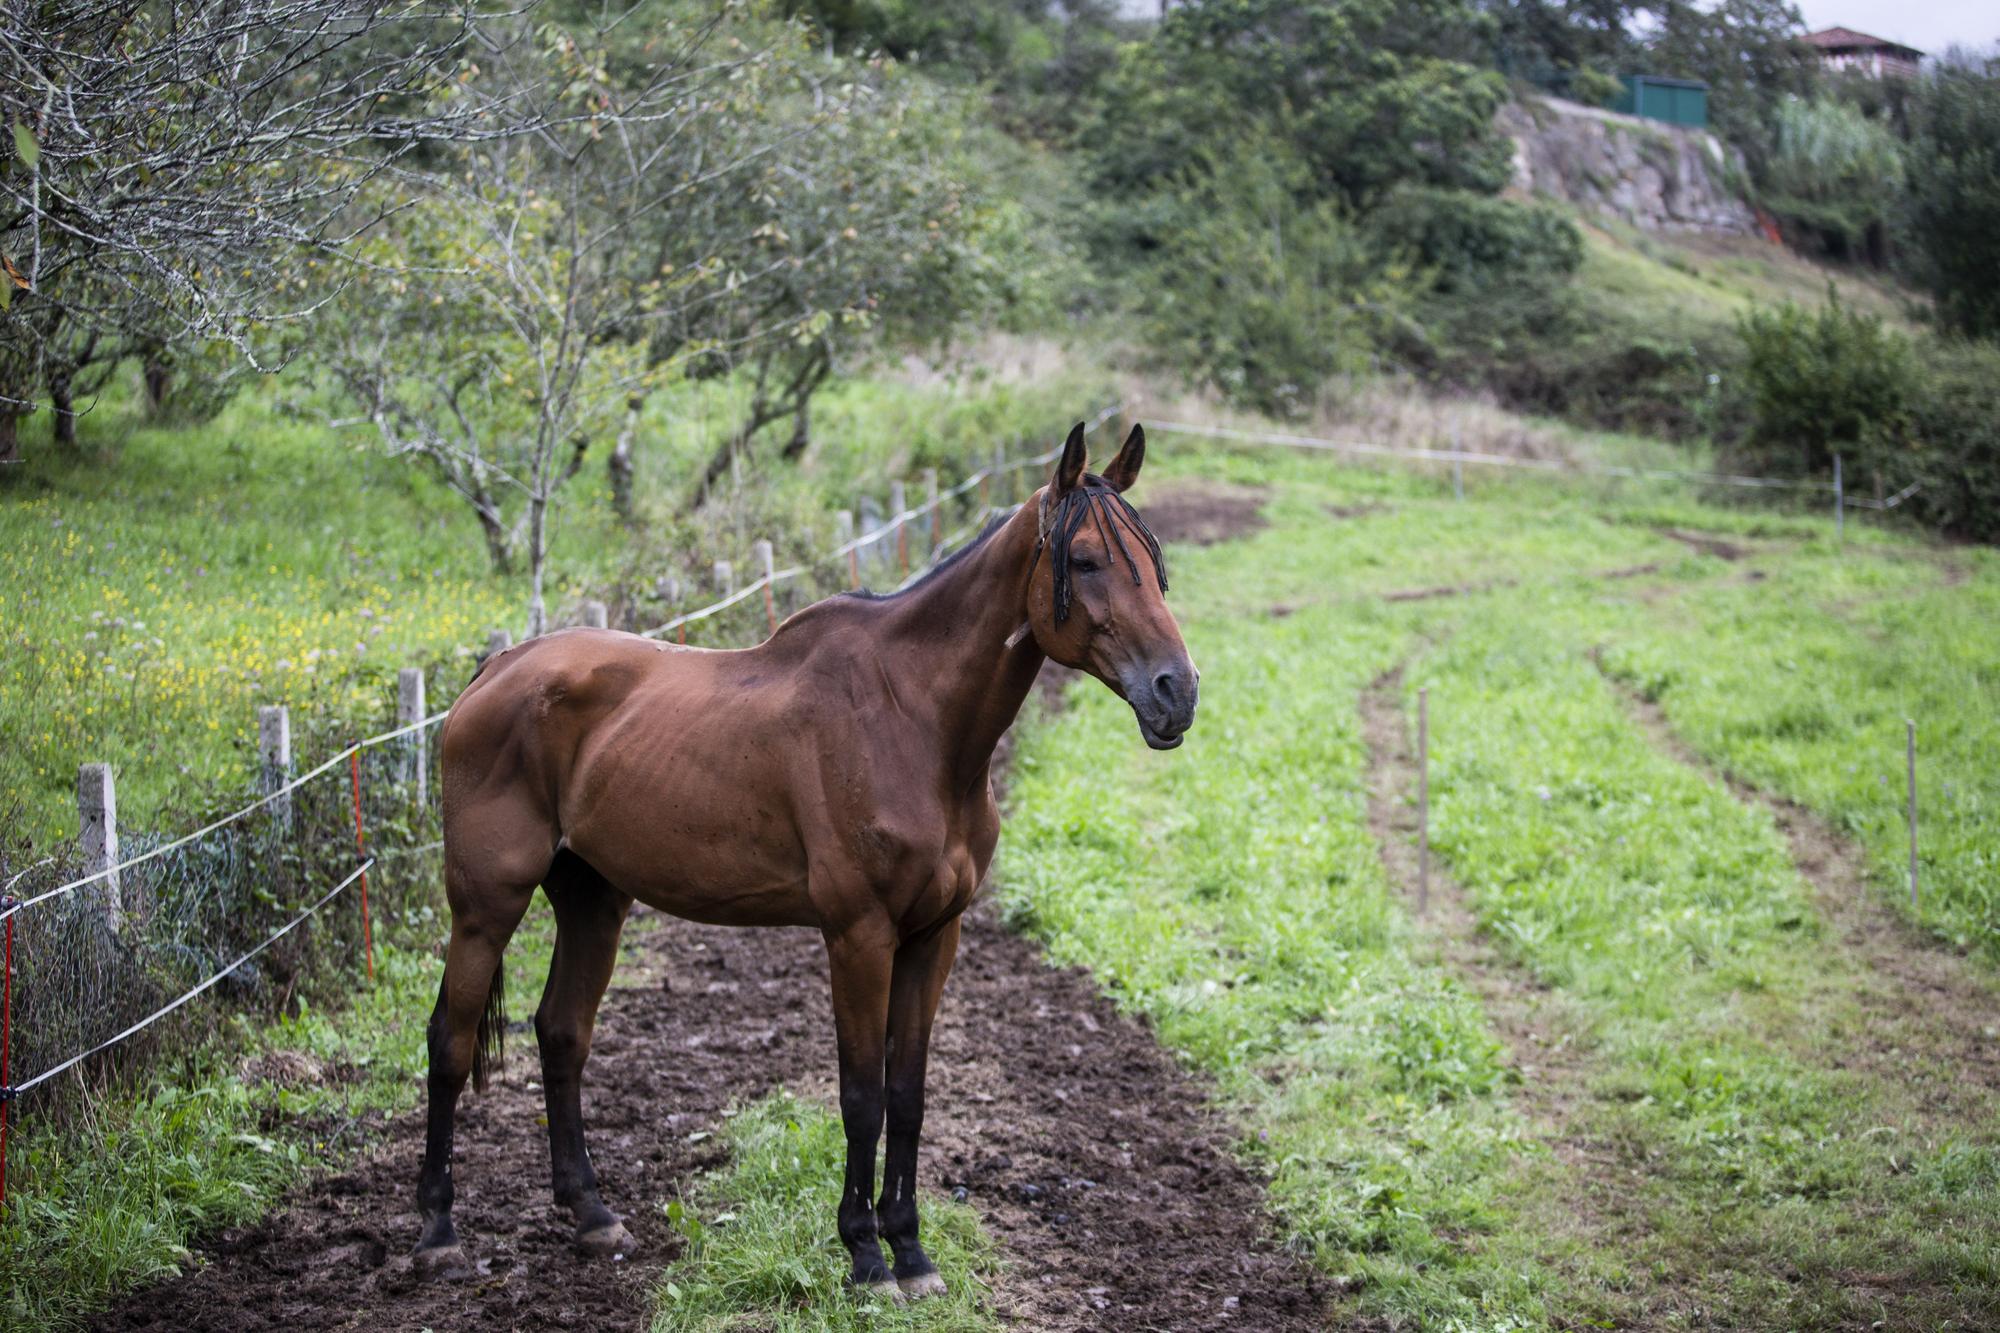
column 1163, row 698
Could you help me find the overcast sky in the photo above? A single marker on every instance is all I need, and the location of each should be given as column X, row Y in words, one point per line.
column 1928, row 25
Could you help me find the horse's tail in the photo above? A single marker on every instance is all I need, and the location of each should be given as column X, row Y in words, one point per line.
column 489, row 1045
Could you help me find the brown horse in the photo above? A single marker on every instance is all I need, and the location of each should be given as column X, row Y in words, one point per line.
column 834, row 776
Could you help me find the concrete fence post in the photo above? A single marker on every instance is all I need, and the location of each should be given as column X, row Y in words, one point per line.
column 667, row 588
column 1457, row 465
column 596, row 615
column 97, row 820
column 415, row 766
column 498, row 641
column 725, row 578
column 274, row 749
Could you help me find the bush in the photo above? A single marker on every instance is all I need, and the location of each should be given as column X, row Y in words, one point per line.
column 1952, row 443
column 1819, row 383
column 1469, row 240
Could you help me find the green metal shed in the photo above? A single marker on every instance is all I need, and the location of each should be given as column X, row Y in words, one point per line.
column 1675, row 101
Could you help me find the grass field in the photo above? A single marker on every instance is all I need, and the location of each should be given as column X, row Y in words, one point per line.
column 1716, row 1155
column 1633, row 1076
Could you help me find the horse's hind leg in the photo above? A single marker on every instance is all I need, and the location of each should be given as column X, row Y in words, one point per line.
column 589, row 915
column 487, row 901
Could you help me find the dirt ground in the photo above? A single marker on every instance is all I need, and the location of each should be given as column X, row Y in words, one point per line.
column 1099, row 1164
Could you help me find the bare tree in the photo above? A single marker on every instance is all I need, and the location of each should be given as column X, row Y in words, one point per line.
column 165, row 152
column 525, row 296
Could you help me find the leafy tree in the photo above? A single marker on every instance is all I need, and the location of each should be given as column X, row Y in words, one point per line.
column 1262, row 295
column 1832, row 168
column 1365, row 94
column 1954, row 193
column 1747, row 51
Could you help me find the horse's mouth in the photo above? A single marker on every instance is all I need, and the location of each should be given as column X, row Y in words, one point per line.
column 1160, row 740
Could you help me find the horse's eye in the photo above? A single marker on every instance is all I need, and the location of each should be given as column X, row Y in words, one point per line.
column 1083, row 564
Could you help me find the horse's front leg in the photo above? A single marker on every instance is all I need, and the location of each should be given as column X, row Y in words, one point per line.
column 915, row 987
column 861, row 959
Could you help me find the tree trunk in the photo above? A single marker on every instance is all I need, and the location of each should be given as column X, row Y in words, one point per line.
column 157, row 378
column 619, row 465
column 10, row 437
column 801, row 431
column 63, row 426
column 538, row 613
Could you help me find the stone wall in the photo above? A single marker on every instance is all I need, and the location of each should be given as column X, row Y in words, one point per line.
column 1652, row 175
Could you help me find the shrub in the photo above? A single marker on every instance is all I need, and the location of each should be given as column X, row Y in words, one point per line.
column 1833, row 169
column 1952, row 444
column 1471, row 240
column 1820, row 382
column 1955, row 195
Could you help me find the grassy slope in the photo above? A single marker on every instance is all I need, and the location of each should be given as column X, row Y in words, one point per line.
column 1230, row 892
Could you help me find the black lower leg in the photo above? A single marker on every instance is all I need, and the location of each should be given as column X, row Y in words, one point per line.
column 896, row 1212
column 861, row 1114
column 571, row 1174
column 434, row 1190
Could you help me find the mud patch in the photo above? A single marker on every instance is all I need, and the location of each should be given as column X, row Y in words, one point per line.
column 1202, row 517
column 1103, row 1168
column 1706, row 544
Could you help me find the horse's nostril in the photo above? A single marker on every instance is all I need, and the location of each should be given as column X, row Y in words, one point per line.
column 1163, row 685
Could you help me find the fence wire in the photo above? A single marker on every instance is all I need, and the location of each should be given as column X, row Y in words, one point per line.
column 106, row 965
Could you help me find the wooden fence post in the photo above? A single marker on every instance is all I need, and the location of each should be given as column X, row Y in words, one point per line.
column 97, row 816
column 1910, row 751
column 897, row 504
column 409, row 711
column 1457, row 465
column 767, row 570
column 274, row 747
column 843, row 533
column 1423, row 799
column 937, row 518
column 596, row 615
column 1839, row 504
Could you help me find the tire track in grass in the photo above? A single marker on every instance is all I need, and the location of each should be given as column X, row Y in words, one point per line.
column 1590, row 1198
column 1933, row 1024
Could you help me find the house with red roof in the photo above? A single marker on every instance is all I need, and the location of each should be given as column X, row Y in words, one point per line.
column 1846, row 51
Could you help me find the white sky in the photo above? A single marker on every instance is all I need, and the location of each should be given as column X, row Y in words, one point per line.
column 1928, row 25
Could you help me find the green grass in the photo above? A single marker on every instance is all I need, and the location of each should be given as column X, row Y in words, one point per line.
column 1802, row 685
column 760, row 1255
column 1732, row 1168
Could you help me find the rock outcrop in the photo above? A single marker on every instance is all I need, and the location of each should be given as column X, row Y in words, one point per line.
column 1652, row 175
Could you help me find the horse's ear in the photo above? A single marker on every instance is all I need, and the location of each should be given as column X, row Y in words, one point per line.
column 1124, row 469
column 1069, row 468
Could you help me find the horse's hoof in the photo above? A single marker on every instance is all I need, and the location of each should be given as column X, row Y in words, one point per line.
column 605, row 1242
column 886, row 1291
column 441, row 1263
column 922, row 1285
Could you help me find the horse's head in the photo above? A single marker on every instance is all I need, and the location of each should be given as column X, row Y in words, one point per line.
column 1097, row 591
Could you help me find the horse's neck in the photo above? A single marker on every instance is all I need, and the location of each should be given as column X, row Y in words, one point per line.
column 957, row 647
